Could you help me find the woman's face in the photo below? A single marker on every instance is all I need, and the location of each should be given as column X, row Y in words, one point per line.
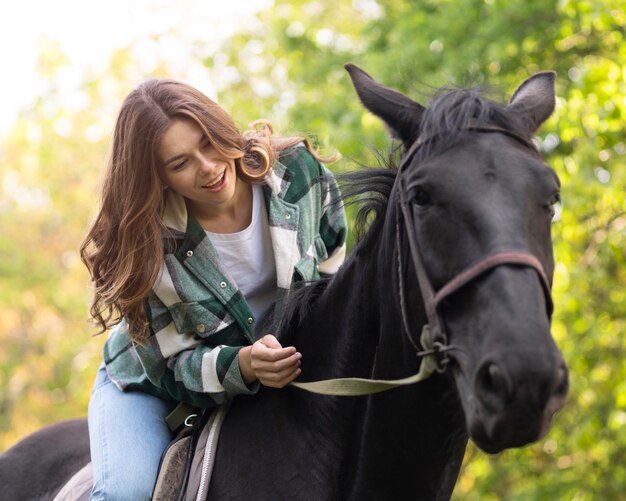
column 195, row 169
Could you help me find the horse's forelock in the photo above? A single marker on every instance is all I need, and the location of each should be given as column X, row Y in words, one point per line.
column 450, row 112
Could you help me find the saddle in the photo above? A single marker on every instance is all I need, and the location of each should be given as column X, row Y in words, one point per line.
column 185, row 469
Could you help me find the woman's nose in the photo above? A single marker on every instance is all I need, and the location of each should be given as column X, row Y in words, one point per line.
column 207, row 163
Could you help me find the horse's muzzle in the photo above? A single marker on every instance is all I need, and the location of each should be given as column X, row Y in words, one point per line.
column 514, row 407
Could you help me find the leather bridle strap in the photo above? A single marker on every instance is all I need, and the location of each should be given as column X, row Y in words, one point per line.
column 435, row 330
column 431, row 298
column 492, row 261
column 433, row 339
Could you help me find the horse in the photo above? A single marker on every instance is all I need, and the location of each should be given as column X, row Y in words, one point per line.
column 457, row 246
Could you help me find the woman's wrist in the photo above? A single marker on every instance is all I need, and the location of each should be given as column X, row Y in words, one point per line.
column 245, row 365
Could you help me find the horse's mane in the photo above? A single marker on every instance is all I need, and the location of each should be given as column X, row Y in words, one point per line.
column 370, row 188
column 443, row 124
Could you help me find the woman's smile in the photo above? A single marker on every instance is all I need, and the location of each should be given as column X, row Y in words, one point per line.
column 216, row 185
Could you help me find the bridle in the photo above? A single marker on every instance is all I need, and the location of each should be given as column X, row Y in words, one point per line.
column 434, row 340
column 433, row 346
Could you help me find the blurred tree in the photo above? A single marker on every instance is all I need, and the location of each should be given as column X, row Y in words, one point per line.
column 43, row 294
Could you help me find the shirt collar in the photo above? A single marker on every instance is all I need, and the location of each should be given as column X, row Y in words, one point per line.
column 175, row 213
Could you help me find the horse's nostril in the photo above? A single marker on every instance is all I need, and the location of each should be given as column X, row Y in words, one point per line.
column 491, row 386
column 562, row 382
column 493, row 380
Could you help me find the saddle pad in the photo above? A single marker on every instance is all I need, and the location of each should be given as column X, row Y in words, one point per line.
column 171, row 476
column 78, row 488
column 172, row 470
column 204, row 456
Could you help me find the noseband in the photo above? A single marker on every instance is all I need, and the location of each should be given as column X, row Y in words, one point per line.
column 434, row 340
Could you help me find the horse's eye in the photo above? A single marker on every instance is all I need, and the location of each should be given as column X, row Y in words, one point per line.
column 556, row 199
column 420, row 196
column 555, row 206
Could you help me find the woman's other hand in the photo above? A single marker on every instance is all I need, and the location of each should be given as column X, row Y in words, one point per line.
column 270, row 363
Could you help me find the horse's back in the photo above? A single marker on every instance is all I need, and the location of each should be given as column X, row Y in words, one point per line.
column 39, row 465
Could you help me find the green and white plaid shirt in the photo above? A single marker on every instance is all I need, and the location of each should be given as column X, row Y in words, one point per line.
column 198, row 318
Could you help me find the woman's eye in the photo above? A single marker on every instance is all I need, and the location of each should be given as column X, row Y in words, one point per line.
column 179, row 165
column 421, row 197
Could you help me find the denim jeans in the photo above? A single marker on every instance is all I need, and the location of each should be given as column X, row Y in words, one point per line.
column 127, row 435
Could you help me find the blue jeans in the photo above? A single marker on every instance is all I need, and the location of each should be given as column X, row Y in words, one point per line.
column 127, row 435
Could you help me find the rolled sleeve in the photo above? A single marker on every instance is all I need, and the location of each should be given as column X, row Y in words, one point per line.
column 183, row 366
column 205, row 376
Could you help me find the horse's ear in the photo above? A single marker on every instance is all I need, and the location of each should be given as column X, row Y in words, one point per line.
column 401, row 114
column 535, row 99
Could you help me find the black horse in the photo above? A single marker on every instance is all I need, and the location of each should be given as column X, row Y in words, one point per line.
column 468, row 212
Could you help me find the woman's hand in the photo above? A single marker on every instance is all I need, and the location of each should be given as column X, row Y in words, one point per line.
column 270, row 363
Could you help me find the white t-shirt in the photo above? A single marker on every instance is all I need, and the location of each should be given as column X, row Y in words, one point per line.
column 249, row 257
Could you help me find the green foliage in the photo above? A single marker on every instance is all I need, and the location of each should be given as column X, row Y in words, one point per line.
column 288, row 68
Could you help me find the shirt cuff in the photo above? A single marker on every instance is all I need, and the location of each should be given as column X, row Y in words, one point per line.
column 233, row 382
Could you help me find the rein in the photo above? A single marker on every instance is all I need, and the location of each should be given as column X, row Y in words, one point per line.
column 433, row 338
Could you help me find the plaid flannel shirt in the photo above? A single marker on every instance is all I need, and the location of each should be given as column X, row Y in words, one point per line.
column 198, row 318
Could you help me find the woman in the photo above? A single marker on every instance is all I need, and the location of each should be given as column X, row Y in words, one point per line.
column 201, row 229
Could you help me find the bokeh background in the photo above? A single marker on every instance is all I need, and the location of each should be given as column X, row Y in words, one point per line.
column 67, row 65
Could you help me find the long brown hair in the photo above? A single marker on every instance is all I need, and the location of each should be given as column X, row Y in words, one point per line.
column 123, row 248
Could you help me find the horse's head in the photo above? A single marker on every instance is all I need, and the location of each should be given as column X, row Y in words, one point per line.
column 478, row 206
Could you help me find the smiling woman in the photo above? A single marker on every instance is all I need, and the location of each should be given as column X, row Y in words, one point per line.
column 201, row 229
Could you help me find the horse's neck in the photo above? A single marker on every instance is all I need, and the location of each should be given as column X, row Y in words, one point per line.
column 356, row 329
column 340, row 335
